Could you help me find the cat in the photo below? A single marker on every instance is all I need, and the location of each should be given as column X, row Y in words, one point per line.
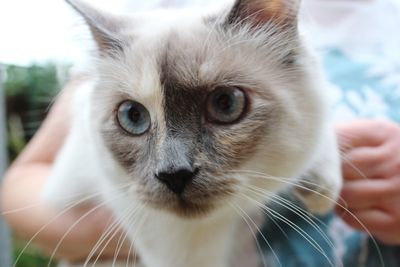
column 191, row 122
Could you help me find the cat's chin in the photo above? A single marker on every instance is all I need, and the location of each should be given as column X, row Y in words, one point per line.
column 184, row 208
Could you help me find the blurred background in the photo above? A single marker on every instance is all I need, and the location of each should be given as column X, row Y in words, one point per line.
column 42, row 41
column 28, row 92
column 34, row 62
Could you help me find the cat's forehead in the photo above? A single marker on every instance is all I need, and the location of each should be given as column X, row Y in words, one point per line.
column 183, row 51
column 175, row 52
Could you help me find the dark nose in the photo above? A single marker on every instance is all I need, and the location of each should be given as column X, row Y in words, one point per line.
column 177, row 179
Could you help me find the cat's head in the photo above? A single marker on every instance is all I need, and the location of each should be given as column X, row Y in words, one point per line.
column 202, row 109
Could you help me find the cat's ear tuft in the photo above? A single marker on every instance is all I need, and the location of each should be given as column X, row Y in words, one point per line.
column 260, row 12
column 105, row 28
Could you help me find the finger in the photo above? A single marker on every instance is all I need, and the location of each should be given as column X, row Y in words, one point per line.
column 361, row 194
column 390, row 167
column 388, row 237
column 372, row 221
column 358, row 133
column 365, row 162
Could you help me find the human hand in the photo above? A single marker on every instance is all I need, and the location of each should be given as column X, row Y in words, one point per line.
column 371, row 171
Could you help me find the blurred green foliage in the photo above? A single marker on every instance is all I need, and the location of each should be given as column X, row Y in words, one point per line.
column 33, row 82
column 29, row 92
column 29, row 257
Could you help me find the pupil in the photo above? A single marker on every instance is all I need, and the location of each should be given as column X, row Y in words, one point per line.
column 134, row 115
column 224, row 102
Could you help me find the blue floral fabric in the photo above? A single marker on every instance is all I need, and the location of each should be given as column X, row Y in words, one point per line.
column 358, row 91
column 362, row 90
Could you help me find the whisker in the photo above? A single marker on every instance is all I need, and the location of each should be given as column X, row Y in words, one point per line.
column 259, row 231
column 302, row 213
column 292, row 183
column 120, row 243
column 69, row 200
column 354, row 167
column 114, row 227
column 277, row 225
column 285, row 180
column 76, row 223
column 121, row 240
column 105, row 238
column 128, row 218
column 131, row 249
column 235, row 207
column 298, row 229
column 48, row 223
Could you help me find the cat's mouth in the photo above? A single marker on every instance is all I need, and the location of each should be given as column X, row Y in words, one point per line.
column 189, row 205
column 200, row 198
column 184, row 207
column 190, row 209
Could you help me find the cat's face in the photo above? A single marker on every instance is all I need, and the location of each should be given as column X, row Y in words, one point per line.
column 193, row 108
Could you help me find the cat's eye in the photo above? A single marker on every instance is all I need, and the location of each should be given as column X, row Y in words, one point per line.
column 226, row 105
column 133, row 117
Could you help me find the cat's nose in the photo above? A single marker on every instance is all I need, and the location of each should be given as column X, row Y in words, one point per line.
column 177, row 179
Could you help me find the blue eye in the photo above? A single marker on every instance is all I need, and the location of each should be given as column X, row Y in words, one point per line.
column 226, row 105
column 133, row 117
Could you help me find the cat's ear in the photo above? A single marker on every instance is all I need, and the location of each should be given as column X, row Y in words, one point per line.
column 105, row 28
column 260, row 12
